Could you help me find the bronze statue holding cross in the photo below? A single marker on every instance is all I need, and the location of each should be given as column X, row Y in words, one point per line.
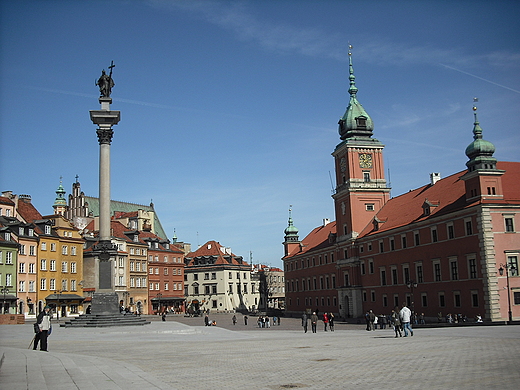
column 105, row 82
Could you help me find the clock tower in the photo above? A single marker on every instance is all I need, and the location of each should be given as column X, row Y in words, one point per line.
column 361, row 188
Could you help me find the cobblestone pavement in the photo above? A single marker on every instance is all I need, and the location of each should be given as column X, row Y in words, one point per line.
column 182, row 354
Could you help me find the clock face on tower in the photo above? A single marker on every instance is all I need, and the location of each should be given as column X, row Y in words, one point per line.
column 343, row 164
column 365, row 160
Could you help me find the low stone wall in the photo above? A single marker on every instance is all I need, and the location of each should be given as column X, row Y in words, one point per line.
column 12, row 319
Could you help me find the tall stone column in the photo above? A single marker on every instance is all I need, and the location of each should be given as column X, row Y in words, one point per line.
column 105, row 300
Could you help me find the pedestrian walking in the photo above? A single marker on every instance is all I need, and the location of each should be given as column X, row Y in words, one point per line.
column 305, row 322
column 371, row 319
column 234, row 319
column 44, row 328
column 406, row 315
column 245, row 320
column 396, row 321
column 331, row 322
column 314, row 321
column 325, row 321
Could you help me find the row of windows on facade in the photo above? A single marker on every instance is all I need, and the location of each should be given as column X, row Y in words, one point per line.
column 32, row 250
column 306, row 263
column 309, row 262
column 175, row 271
column 156, row 286
column 423, row 302
column 212, row 289
column 315, row 301
column 214, row 276
column 397, row 300
column 435, row 236
column 30, row 286
column 52, row 266
column 51, row 285
column 324, row 284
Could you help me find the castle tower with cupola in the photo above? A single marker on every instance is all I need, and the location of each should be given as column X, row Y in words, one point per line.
column 291, row 242
column 482, row 179
column 361, row 188
column 60, row 203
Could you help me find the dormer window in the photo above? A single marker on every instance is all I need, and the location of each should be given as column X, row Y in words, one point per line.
column 47, row 229
column 136, row 237
column 361, row 122
column 20, row 231
column 427, row 207
column 376, row 225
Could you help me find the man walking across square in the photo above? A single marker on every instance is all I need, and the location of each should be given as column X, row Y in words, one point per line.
column 406, row 315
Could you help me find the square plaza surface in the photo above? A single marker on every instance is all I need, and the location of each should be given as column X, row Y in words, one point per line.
column 180, row 353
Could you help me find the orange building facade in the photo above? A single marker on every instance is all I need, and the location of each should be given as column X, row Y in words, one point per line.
column 449, row 247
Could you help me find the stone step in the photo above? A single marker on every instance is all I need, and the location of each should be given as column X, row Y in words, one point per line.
column 104, row 320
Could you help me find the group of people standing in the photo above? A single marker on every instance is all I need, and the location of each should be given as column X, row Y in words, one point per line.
column 265, row 321
column 400, row 319
column 327, row 318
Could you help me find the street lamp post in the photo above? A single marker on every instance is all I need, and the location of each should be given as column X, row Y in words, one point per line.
column 58, row 307
column 411, row 284
column 159, row 305
column 507, row 267
column 5, row 291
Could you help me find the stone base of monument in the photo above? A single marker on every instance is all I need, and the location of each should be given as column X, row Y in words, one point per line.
column 104, row 313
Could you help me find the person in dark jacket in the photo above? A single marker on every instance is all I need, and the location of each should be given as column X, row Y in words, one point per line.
column 331, row 322
column 314, row 322
column 44, row 325
column 396, row 320
column 305, row 322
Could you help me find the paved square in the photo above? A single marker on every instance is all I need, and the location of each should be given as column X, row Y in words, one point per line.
column 182, row 354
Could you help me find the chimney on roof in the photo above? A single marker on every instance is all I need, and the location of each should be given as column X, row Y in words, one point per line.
column 7, row 194
column 25, row 198
column 326, row 221
column 434, row 177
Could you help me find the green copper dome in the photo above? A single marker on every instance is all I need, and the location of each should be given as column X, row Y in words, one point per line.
column 291, row 231
column 480, row 152
column 355, row 123
column 60, row 196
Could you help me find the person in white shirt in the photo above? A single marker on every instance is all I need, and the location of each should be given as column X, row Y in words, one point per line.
column 405, row 315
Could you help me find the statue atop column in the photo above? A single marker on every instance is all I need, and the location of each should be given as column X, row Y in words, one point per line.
column 105, row 82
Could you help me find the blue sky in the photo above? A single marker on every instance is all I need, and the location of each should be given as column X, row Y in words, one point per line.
column 229, row 109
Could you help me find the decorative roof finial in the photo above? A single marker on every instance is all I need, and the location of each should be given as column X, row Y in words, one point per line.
column 477, row 130
column 352, row 89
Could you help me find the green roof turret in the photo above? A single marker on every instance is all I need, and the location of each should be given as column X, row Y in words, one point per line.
column 291, row 231
column 355, row 123
column 480, row 152
column 60, row 196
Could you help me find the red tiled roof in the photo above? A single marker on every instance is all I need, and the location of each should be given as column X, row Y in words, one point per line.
column 317, row 239
column 123, row 214
column 446, row 196
column 510, row 181
column 28, row 211
column 4, row 200
column 213, row 248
